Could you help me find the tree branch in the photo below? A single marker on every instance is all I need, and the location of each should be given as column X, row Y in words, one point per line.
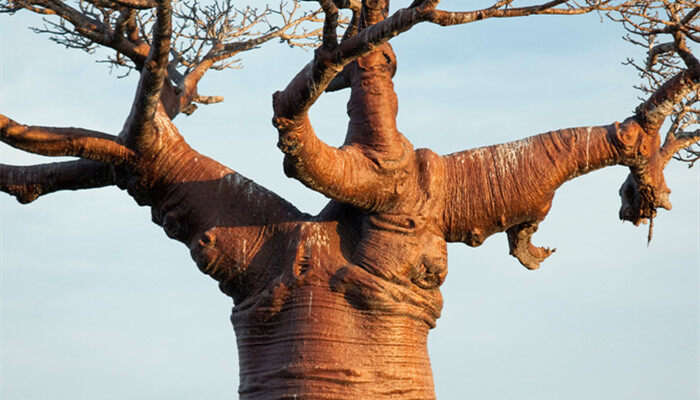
column 91, row 28
column 207, row 36
column 653, row 112
column 220, row 32
column 369, row 170
column 372, row 107
column 309, row 83
column 139, row 131
column 27, row 183
column 136, row 4
column 676, row 142
column 76, row 142
column 509, row 187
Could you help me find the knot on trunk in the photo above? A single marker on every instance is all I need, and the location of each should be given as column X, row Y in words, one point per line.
column 635, row 144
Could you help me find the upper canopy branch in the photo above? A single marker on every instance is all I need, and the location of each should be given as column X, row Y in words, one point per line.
column 206, row 36
column 502, row 9
column 137, row 4
column 90, row 26
column 327, row 62
column 663, row 102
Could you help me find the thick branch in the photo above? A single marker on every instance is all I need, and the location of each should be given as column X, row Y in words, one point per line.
column 372, row 107
column 27, row 183
column 140, row 125
column 347, row 174
column 661, row 103
column 510, row 186
column 137, row 4
column 370, row 168
column 50, row 141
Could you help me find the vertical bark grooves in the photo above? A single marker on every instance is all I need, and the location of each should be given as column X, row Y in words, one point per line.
column 373, row 104
column 327, row 329
column 319, row 346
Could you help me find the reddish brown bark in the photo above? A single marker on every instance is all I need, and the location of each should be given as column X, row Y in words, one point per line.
column 339, row 305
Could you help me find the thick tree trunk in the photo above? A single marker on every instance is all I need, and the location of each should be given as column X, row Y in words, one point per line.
column 321, row 346
column 321, row 312
column 325, row 328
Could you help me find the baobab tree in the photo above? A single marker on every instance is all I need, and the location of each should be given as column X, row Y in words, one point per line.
column 339, row 305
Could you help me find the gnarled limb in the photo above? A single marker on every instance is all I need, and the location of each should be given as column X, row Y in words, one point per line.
column 369, row 170
column 346, row 174
column 50, row 141
column 645, row 189
column 634, row 143
column 509, row 187
column 27, row 183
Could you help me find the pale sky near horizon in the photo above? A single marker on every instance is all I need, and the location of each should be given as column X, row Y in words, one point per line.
column 96, row 302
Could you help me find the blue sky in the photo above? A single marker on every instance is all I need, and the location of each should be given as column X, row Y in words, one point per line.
column 98, row 303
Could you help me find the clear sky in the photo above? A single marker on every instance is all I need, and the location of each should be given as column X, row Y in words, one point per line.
column 98, row 303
